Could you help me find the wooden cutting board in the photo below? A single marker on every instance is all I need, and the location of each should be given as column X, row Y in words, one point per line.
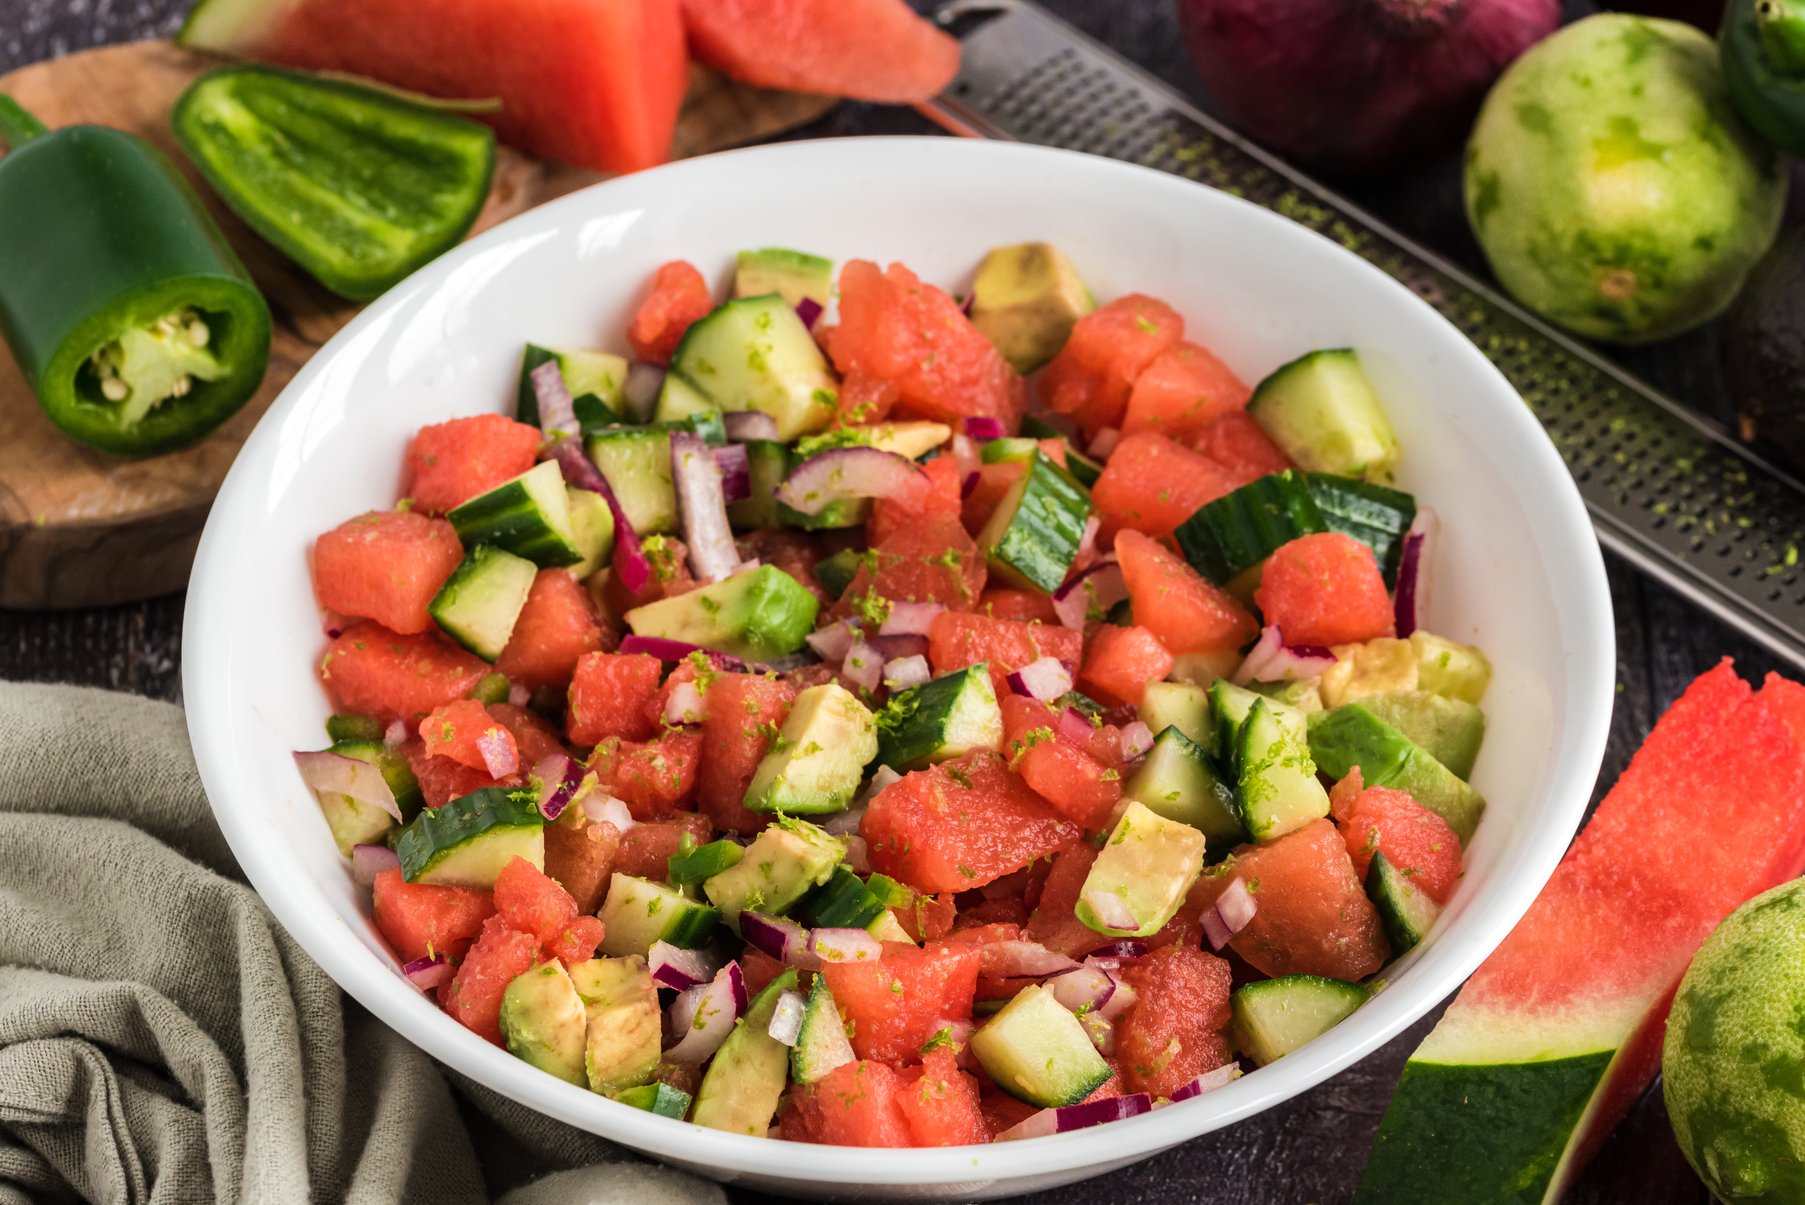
column 79, row 528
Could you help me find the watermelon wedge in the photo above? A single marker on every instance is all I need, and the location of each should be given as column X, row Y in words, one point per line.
column 1559, row 1031
column 597, row 85
column 865, row 49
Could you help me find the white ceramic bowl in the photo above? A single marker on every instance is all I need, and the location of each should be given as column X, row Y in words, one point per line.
column 1518, row 569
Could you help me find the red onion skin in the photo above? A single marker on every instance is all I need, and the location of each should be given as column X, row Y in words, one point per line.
column 1352, row 88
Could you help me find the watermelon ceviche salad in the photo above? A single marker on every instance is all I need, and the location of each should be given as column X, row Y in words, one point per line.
column 875, row 717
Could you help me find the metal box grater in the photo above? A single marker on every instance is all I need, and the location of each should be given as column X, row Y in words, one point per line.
column 1667, row 489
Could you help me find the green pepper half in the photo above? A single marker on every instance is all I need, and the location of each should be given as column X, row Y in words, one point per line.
column 135, row 324
column 1762, row 44
column 357, row 185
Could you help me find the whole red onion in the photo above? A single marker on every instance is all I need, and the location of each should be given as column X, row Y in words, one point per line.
column 1352, row 87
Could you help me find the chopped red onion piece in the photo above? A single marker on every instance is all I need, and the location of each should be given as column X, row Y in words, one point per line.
column 1064, row 1120
column 336, row 774
column 984, row 427
column 1100, row 1030
column 518, row 695
column 557, row 410
column 1111, row 909
column 1087, row 543
column 676, row 967
column 1119, row 1002
column 1075, row 728
column 1118, row 950
column 1214, row 931
column 780, row 938
column 905, row 672
column 809, row 310
column 742, row 425
column 1209, row 1081
column 716, row 1007
column 840, row 824
column 702, row 507
column 500, row 755
column 844, row 945
column 427, row 973
column 676, row 650
column 736, row 472
column 829, row 1048
column 1229, row 915
column 602, row 808
column 629, row 558
column 685, row 705
column 834, row 641
column 1090, row 595
column 909, row 618
column 858, row 855
column 395, row 735
column 1272, row 660
column 1046, row 679
column 368, row 861
column 965, row 303
column 1136, row 739
column 838, row 474
column 558, row 776
column 1411, row 604
column 883, row 778
column 966, row 455
column 641, row 389
column 864, row 666
column 786, row 1018
column 1084, row 987
column 1018, row 959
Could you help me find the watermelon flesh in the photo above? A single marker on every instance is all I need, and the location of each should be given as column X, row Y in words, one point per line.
column 865, row 49
column 594, row 85
column 1559, row 1031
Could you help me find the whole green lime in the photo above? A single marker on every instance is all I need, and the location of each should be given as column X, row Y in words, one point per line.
column 1612, row 185
column 1734, row 1059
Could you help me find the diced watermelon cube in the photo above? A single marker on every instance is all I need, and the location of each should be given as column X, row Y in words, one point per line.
column 1022, row 606
column 894, row 1004
column 441, row 779
column 1174, row 602
column 1001, row 1110
column 933, row 560
column 935, row 493
column 655, row 778
column 743, row 712
column 855, row 1104
column 1414, row 839
column 926, row 917
column 1325, row 589
column 1120, row 662
column 1069, row 778
column 1177, row 1027
column 369, row 670
column 679, row 297
column 533, row 734
column 941, row 1105
column 961, row 824
column 1055, row 922
column 450, row 463
column 1181, row 392
column 532, row 902
column 473, row 996
column 866, row 49
column 1094, row 373
column 1153, row 484
column 581, row 857
column 1241, row 447
column 608, row 697
column 385, row 565
column 646, row 849
column 958, row 639
column 556, row 628
column 419, row 920
column 460, row 731
column 759, row 970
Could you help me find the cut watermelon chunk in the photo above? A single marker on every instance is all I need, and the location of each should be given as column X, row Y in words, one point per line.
column 608, row 696
column 1094, row 373
column 1153, row 484
column 1325, row 589
column 1187, row 613
column 864, row 49
column 655, row 778
column 931, row 560
column 743, row 713
column 369, row 670
column 1177, row 1027
column 473, row 995
column 1181, row 392
column 386, row 565
column 941, row 1106
column 466, row 733
column 1559, row 1031
column 556, row 627
column 1120, row 662
column 679, row 297
column 646, row 849
column 894, row 1004
column 581, row 857
column 595, row 85
column 450, row 463
column 419, row 920
column 956, row 640
column 855, row 1104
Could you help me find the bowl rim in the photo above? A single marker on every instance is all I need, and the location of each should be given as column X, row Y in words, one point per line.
column 1576, row 755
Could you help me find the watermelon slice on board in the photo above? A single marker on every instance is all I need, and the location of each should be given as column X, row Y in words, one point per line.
column 594, row 85
column 866, row 49
column 1559, row 1031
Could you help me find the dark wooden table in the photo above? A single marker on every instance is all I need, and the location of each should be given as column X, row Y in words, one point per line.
column 1312, row 1148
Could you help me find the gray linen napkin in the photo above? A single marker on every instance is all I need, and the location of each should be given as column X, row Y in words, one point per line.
column 163, row 1039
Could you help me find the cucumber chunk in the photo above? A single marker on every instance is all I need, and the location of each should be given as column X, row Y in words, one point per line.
column 1178, row 782
column 659, row 1098
column 755, row 354
column 782, row 865
column 1037, row 1051
column 1033, row 535
column 1351, row 735
column 821, row 1044
column 1323, row 412
column 679, row 400
column 819, row 757
column 1406, row 912
column 941, row 719
column 1376, row 515
column 481, row 600
column 1083, row 468
column 701, row 862
column 1230, row 706
column 637, row 463
column 624, row 1029
column 793, row 275
column 1245, row 526
column 742, row 1086
column 756, row 614
column 843, row 902
column 1277, row 778
column 593, row 521
column 1179, row 705
column 528, row 515
column 836, row 572
column 345, row 726
column 1449, row 730
column 395, row 771
column 544, row 1023
column 767, row 464
column 468, row 841
column 1140, row 878
column 595, row 380
column 1274, row 1017
column 639, row 913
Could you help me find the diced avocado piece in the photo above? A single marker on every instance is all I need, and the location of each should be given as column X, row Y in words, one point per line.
column 743, row 1084
column 1179, row 705
column 1406, row 911
column 1277, row 778
column 1449, row 730
column 767, row 464
column 1178, row 782
column 1303, row 695
column 836, row 572
column 756, row 354
column 595, row 380
column 1203, row 669
column 821, row 1043
column 792, row 275
column 819, row 757
column 887, row 928
column 1026, row 299
column 782, row 865
column 678, row 400
column 757, row 614
column 639, row 913
column 1323, row 412
column 479, row 603
column 528, row 515
column 1447, row 667
column 543, row 1021
column 624, row 1034
column 1142, row 874
column 1037, row 1051
column 1033, row 535
column 703, row 861
column 468, row 841
column 659, row 1098
column 1274, row 1017
column 941, row 719
column 1351, row 735
column 1385, row 665
column 593, row 522
column 843, row 902
column 637, row 463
